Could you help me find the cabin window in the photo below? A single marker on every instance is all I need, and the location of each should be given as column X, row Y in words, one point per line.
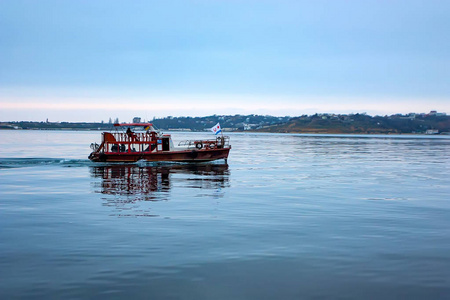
column 148, row 147
column 117, row 148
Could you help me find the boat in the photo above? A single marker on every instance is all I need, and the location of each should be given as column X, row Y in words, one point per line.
column 141, row 141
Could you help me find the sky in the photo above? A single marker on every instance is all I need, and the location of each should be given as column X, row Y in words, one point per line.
column 85, row 60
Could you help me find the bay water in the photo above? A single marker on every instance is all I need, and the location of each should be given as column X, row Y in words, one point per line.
column 290, row 216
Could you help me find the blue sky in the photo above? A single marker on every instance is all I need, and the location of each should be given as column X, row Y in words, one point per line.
column 91, row 60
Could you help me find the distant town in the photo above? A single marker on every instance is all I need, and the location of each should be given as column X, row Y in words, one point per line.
column 413, row 123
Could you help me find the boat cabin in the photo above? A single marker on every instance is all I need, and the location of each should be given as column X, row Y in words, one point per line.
column 148, row 140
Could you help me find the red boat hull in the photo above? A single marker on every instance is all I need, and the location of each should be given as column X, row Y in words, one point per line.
column 170, row 156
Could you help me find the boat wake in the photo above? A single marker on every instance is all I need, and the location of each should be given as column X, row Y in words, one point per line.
column 8, row 163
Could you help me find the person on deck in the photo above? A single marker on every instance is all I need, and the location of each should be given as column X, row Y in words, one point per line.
column 131, row 134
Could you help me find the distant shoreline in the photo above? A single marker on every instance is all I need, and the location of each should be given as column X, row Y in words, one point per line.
column 414, row 124
column 246, row 131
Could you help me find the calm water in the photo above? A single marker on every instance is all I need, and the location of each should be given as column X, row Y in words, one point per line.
column 289, row 217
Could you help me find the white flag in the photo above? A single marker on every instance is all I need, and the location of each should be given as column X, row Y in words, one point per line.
column 216, row 129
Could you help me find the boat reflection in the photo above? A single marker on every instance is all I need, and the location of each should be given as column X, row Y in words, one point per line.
column 153, row 183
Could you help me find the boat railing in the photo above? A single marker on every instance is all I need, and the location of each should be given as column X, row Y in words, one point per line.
column 219, row 142
column 126, row 142
column 132, row 137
